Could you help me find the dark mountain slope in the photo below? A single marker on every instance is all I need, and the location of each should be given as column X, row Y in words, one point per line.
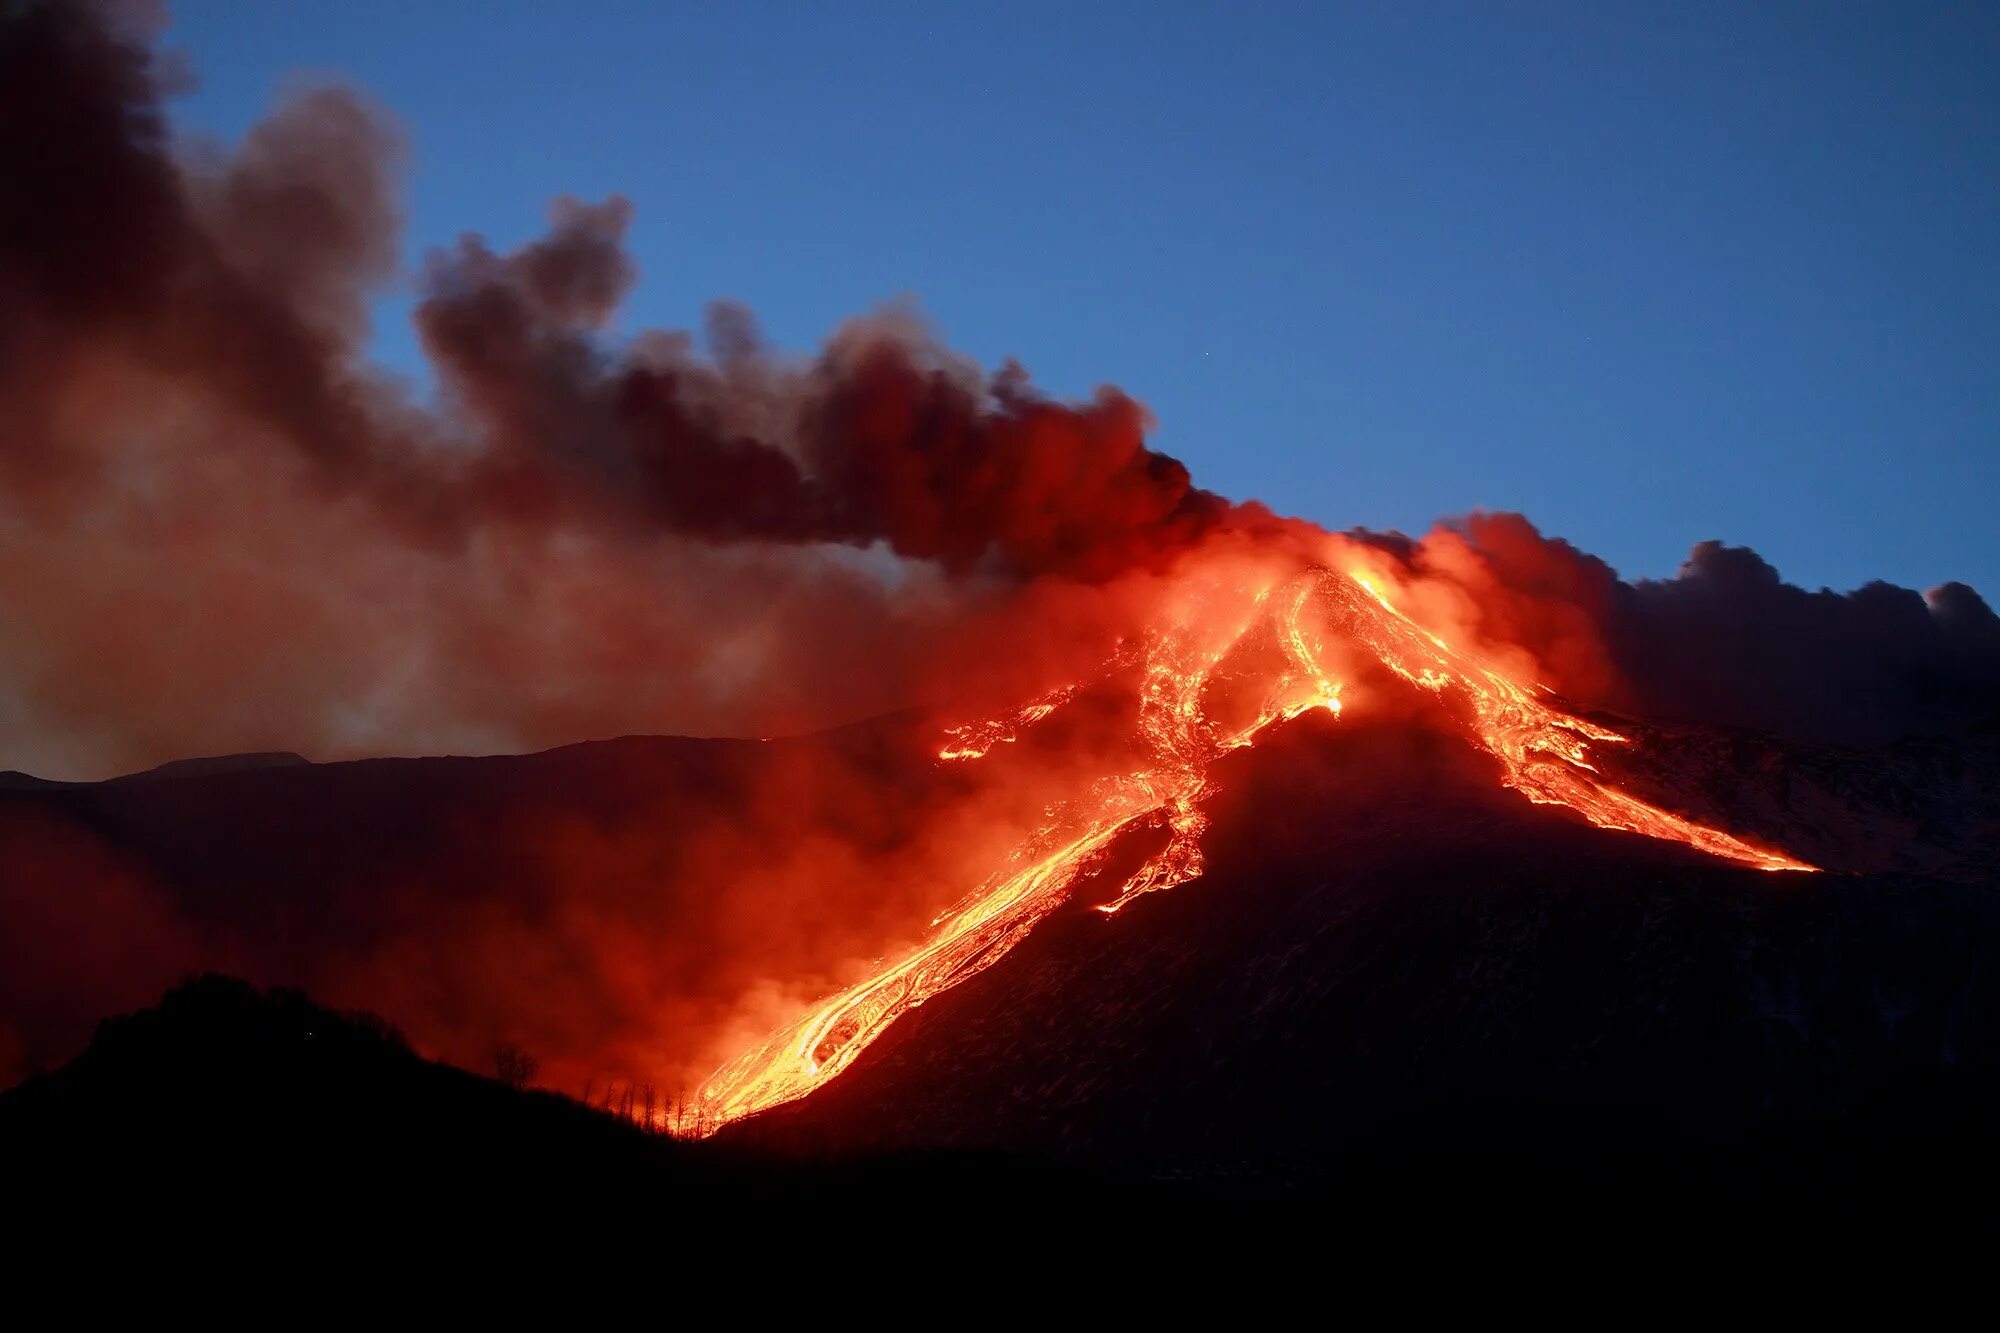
column 1392, row 961
column 1393, row 968
column 227, row 1103
column 1400, row 1000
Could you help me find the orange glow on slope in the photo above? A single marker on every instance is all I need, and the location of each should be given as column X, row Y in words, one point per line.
column 1197, row 646
column 1545, row 752
column 974, row 739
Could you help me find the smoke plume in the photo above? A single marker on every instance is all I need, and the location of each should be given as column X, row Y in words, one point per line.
column 222, row 529
column 1725, row 641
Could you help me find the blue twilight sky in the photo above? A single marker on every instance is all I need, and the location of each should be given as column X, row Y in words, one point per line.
column 1649, row 273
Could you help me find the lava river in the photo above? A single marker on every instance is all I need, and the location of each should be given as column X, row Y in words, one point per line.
column 1226, row 661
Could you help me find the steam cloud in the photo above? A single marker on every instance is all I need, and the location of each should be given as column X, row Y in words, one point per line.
column 222, row 529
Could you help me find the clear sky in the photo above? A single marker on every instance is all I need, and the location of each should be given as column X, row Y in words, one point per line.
column 1651, row 274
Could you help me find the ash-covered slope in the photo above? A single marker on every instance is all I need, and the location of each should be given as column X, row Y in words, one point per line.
column 1391, row 960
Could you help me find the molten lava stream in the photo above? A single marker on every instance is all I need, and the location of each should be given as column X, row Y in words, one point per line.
column 1544, row 754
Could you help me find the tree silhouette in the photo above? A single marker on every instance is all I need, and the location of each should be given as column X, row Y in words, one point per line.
column 514, row 1066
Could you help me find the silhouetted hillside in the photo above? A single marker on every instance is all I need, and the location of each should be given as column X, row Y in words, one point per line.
column 223, row 1080
column 231, row 1106
column 269, row 1140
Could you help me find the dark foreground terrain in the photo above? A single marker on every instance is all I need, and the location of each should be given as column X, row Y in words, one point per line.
column 244, row 1113
column 254, row 1103
column 1402, row 1009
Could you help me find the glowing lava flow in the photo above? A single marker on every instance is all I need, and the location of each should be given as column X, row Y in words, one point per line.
column 974, row 739
column 1544, row 754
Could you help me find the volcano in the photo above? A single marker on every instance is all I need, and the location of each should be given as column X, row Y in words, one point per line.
column 818, row 758
column 1342, row 937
